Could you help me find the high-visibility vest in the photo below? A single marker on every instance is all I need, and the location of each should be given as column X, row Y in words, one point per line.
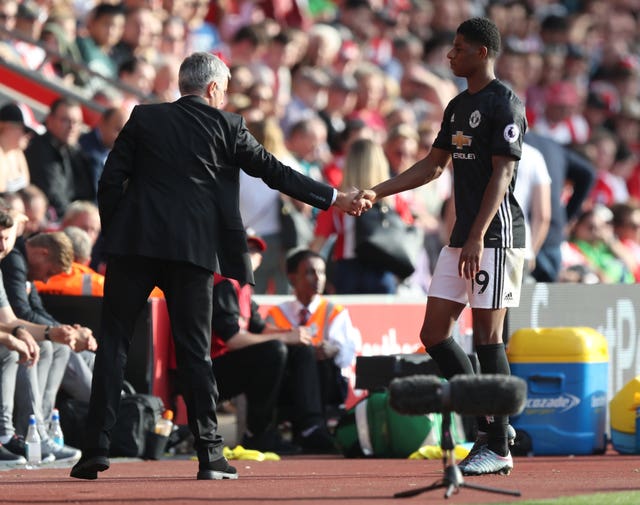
column 244, row 292
column 81, row 280
column 319, row 322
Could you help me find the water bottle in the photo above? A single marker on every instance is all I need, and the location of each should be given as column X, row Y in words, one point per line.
column 55, row 430
column 32, row 444
column 164, row 425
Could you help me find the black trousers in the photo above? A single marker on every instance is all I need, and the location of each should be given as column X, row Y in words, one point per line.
column 257, row 372
column 188, row 291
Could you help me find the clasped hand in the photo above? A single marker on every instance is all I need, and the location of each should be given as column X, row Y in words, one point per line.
column 355, row 202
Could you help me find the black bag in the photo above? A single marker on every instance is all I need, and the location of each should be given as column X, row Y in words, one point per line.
column 296, row 229
column 136, row 421
column 385, row 242
column 73, row 419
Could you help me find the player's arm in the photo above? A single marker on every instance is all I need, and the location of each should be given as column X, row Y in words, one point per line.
column 422, row 172
column 471, row 254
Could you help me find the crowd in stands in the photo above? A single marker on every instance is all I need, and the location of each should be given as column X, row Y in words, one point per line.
column 345, row 91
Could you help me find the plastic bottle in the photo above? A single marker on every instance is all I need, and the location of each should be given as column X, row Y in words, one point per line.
column 164, row 425
column 55, row 430
column 32, row 444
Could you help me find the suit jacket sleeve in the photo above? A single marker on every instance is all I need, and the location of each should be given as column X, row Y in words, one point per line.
column 117, row 170
column 256, row 161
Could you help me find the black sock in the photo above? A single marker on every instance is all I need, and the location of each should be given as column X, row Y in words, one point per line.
column 451, row 359
column 493, row 360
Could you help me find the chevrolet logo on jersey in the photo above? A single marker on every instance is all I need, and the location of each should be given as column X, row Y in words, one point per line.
column 460, row 140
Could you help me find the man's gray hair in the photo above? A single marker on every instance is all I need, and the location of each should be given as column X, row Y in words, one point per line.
column 81, row 243
column 198, row 70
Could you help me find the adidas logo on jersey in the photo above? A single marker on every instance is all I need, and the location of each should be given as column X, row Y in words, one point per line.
column 508, row 297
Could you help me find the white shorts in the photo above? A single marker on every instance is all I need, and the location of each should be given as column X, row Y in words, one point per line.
column 496, row 285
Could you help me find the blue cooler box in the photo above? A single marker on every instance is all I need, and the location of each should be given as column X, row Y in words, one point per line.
column 566, row 370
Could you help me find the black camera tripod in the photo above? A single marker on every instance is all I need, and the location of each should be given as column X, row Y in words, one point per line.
column 452, row 480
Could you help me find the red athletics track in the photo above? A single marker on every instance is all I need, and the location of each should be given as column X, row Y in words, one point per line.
column 310, row 480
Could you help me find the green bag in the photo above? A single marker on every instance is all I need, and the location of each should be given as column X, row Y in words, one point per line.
column 373, row 429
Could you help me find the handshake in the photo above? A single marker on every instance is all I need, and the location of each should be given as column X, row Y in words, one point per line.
column 356, row 201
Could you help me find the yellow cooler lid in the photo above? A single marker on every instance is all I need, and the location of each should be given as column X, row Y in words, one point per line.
column 622, row 407
column 577, row 344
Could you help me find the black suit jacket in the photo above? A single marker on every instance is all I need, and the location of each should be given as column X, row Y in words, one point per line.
column 170, row 186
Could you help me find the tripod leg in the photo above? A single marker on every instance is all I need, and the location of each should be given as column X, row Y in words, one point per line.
column 490, row 489
column 414, row 492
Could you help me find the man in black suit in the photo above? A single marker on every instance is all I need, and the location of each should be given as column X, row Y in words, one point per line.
column 168, row 199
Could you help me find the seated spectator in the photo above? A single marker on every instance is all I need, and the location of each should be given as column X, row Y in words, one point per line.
column 85, row 215
column 593, row 237
column 14, row 136
column 97, row 142
column 626, row 227
column 56, row 164
column 38, row 258
column 242, row 341
column 80, row 280
column 36, row 356
column 36, row 207
column 104, row 28
column 334, row 341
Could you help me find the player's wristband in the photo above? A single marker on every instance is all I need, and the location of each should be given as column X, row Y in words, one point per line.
column 47, row 333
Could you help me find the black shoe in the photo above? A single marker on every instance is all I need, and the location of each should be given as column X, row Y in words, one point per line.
column 217, row 470
column 270, row 441
column 17, row 446
column 317, row 441
column 88, row 467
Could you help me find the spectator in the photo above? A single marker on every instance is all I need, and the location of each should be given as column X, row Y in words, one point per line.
column 138, row 75
column 308, row 96
column 260, row 209
column 242, row 341
column 314, row 387
column 14, row 136
column 36, row 207
column 23, row 334
column 39, row 258
column 97, row 142
column 104, row 28
column 137, row 36
column 56, row 164
column 365, row 166
column 561, row 119
column 626, row 227
column 80, row 280
column 533, row 193
column 592, row 235
column 565, row 167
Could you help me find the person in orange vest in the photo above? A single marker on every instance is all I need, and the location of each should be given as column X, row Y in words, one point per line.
column 334, row 337
column 242, row 341
column 80, row 279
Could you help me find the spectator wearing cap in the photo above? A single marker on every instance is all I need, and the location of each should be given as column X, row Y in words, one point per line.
column 562, row 119
column 308, row 96
column 14, row 136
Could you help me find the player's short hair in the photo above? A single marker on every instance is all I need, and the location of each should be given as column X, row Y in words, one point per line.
column 481, row 31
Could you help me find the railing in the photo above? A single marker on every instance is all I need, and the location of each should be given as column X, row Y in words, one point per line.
column 35, row 87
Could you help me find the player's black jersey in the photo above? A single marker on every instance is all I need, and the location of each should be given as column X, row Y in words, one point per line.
column 475, row 128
